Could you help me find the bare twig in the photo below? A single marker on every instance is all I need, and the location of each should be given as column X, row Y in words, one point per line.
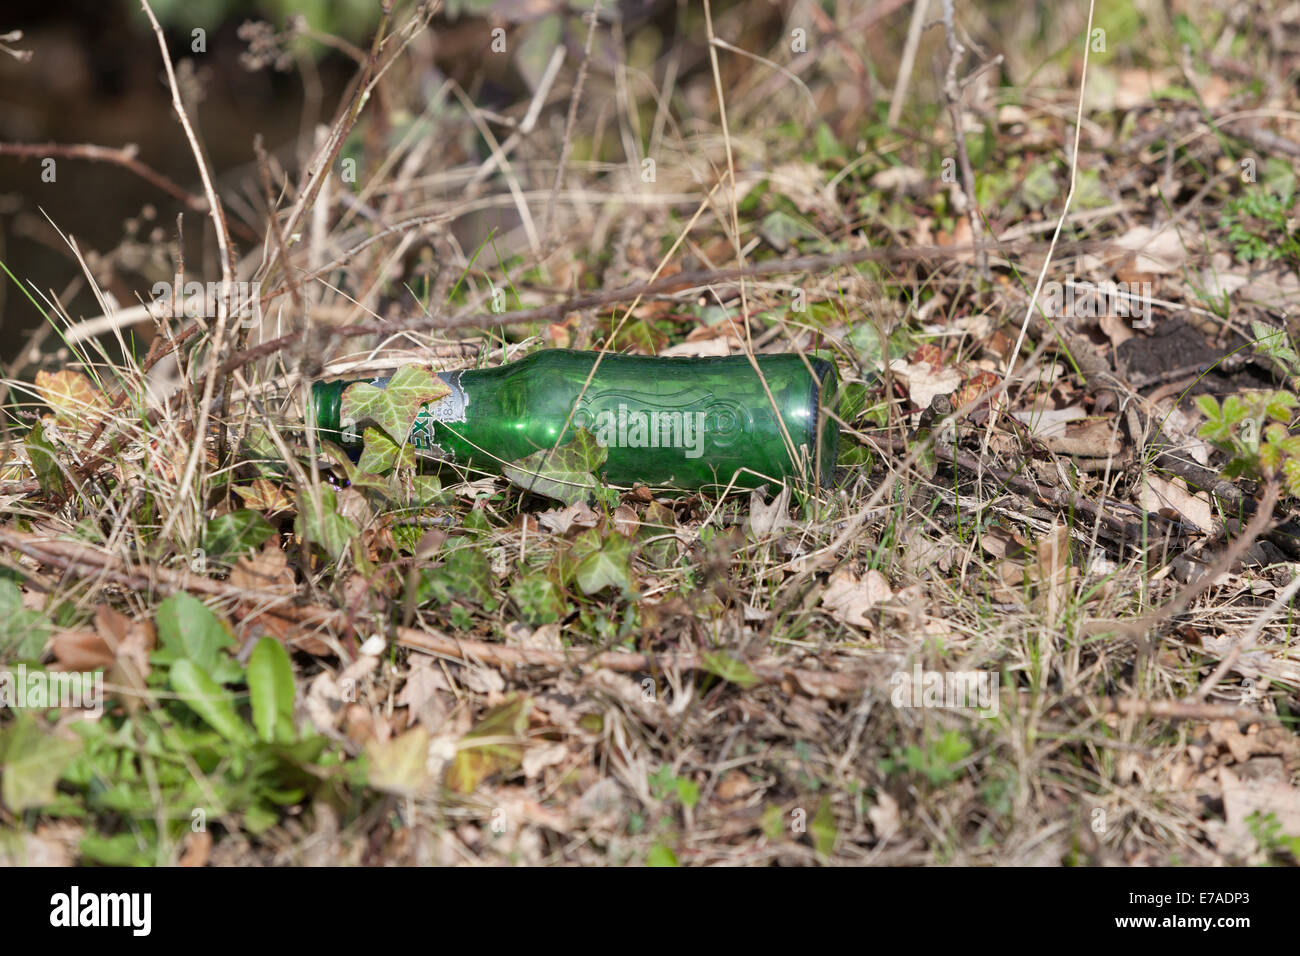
column 952, row 96
column 572, row 119
column 124, row 157
column 225, row 255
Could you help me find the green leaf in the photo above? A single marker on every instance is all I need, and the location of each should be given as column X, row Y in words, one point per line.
column 209, row 700
column 230, row 536
column 270, row 688
column 661, row 854
column 330, row 531
column 392, row 407
column 31, row 762
column 566, row 473
column 773, row 822
column 1040, row 185
column 187, row 630
column 382, row 453
column 45, row 461
column 465, row 574
column 823, row 829
column 121, row 849
column 729, row 668
column 539, row 599
column 23, row 631
column 609, row 566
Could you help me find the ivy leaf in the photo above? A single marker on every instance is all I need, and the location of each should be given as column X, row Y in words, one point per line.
column 31, row 761
column 566, row 473
column 465, row 574
column 329, row 530
column 608, row 566
column 381, row 453
column 392, row 407
column 230, row 536
column 270, row 689
column 361, row 480
column 209, row 700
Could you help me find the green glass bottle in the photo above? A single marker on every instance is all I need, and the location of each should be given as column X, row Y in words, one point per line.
column 684, row 423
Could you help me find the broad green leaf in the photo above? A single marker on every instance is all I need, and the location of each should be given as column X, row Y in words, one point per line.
column 45, row 461
column 501, row 731
column 610, row 566
column 729, row 668
column 361, row 480
column 661, row 854
column 120, row 849
column 465, row 574
column 566, row 473
column 187, row 630
column 23, row 631
column 382, row 453
column 231, row 536
column 400, row 764
column 270, row 689
column 424, row 490
column 31, row 761
column 392, row 407
column 209, row 700
column 330, row 531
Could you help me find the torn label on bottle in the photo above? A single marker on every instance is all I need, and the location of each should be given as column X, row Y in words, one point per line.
column 451, row 407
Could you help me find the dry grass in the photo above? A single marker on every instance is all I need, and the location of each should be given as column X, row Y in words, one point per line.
column 735, row 702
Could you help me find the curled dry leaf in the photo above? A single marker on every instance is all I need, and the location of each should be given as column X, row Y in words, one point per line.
column 626, row 521
column 80, row 651
column 131, row 641
column 262, row 494
column 268, row 570
column 73, row 397
column 1159, row 252
column 884, row 817
column 1244, row 798
column 764, row 519
column 1054, row 571
column 324, row 703
column 849, row 598
column 1172, row 498
column 924, row 382
column 422, row 694
column 561, row 520
column 537, row 759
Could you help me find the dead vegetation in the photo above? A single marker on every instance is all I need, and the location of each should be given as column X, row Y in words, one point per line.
column 1067, row 474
